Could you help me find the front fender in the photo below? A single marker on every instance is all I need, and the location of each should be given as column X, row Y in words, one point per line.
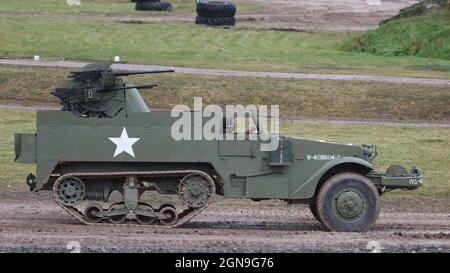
column 307, row 189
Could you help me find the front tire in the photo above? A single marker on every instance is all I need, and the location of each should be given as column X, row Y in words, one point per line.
column 313, row 209
column 348, row 202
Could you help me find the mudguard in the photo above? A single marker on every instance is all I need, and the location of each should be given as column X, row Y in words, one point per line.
column 307, row 189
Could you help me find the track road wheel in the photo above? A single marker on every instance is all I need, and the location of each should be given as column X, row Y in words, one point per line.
column 117, row 219
column 171, row 216
column 348, row 202
column 313, row 209
column 142, row 219
column 91, row 213
column 166, row 205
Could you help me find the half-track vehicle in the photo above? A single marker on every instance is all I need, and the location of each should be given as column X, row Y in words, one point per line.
column 105, row 140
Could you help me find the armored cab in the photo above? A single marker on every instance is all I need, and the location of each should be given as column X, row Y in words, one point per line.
column 105, row 140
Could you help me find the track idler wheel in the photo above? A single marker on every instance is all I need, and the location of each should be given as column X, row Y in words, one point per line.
column 117, row 213
column 92, row 213
column 70, row 191
column 196, row 190
column 170, row 215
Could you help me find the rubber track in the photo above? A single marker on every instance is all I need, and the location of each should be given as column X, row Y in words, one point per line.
column 183, row 217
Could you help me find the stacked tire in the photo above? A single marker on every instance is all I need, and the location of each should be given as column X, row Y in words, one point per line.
column 153, row 5
column 215, row 13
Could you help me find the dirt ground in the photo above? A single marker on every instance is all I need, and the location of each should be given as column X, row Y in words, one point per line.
column 335, row 15
column 30, row 222
column 307, row 15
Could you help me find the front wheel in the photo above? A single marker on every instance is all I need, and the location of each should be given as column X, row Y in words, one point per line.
column 313, row 209
column 348, row 202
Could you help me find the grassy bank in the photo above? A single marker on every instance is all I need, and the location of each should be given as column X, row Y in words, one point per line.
column 427, row 35
column 103, row 7
column 297, row 98
column 424, row 147
column 186, row 44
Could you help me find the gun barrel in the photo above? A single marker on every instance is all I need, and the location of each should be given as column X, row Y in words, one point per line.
column 62, row 92
column 145, row 86
column 128, row 73
column 67, row 92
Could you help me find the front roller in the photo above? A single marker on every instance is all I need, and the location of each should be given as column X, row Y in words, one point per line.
column 348, row 202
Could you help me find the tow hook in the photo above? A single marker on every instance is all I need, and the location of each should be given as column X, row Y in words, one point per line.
column 31, row 181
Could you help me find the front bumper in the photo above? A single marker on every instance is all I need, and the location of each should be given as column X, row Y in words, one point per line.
column 408, row 180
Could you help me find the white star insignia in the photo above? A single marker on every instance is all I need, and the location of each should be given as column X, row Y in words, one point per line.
column 124, row 143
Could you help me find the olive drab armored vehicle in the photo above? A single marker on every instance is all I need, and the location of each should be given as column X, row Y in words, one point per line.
column 105, row 141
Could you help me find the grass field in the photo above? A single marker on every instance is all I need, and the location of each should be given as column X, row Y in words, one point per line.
column 102, row 7
column 427, row 148
column 185, row 44
column 297, row 98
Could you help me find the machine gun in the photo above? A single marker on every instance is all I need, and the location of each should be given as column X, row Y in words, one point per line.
column 89, row 94
column 107, row 77
column 98, row 91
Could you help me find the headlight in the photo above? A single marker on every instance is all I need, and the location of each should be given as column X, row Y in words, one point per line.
column 369, row 151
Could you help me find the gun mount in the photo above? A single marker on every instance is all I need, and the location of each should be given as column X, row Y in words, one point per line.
column 97, row 91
